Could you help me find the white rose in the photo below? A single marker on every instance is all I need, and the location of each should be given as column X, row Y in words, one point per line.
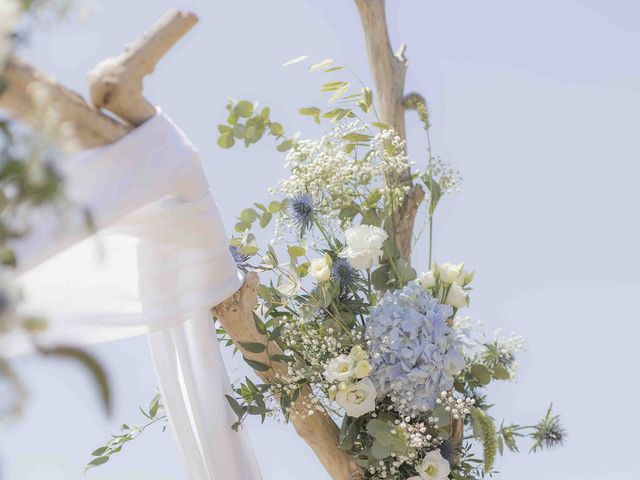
column 427, row 280
column 449, row 273
column 434, row 467
column 320, row 269
column 339, row 369
column 362, row 369
column 358, row 399
column 364, row 246
column 457, row 297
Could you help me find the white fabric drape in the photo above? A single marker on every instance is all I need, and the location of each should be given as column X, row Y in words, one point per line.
column 155, row 263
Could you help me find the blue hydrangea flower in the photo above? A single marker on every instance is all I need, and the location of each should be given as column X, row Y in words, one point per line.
column 414, row 353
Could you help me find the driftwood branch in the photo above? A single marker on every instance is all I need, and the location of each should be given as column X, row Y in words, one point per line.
column 318, row 430
column 90, row 127
column 389, row 69
column 116, row 83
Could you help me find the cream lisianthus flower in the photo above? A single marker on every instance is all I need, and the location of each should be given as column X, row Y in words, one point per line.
column 449, row 273
column 434, row 467
column 339, row 369
column 427, row 280
column 364, row 246
column 358, row 353
column 358, row 398
column 457, row 297
column 362, row 369
column 320, row 268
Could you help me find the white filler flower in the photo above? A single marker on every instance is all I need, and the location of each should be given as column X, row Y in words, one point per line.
column 339, row 369
column 434, row 467
column 358, row 399
column 364, row 246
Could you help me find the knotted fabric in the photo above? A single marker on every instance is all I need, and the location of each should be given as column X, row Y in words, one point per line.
column 153, row 259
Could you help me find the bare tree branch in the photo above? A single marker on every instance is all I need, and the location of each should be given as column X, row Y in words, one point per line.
column 389, row 70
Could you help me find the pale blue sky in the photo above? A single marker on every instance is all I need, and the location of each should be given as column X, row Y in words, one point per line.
column 536, row 103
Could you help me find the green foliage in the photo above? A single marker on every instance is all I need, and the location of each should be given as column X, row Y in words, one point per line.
column 154, row 414
column 485, row 431
column 246, row 123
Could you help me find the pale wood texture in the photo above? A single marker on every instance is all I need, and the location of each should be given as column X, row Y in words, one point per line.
column 389, row 69
column 91, row 128
column 116, row 83
column 318, row 430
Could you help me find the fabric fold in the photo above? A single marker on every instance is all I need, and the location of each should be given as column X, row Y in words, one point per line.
column 156, row 263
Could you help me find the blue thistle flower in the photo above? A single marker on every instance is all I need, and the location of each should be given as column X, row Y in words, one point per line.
column 344, row 273
column 241, row 260
column 448, row 450
column 549, row 433
column 303, row 211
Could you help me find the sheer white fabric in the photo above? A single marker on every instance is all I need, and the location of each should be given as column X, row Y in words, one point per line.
column 155, row 263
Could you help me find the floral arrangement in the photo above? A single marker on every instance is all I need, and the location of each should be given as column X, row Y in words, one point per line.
column 385, row 350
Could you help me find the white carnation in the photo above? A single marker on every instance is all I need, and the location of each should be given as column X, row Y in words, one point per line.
column 364, row 246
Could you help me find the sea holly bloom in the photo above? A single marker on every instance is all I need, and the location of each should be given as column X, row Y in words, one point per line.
column 434, row 467
column 358, row 398
column 364, row 246
column 303, row 211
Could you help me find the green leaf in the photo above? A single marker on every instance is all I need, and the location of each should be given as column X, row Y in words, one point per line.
column 320, row 65
column 96, row 461
column 284, row 146
column 239, row 130
column 481, row 374
column 501, row 373
column 99, row 452
column 265, row 219
column 356, row 137
column 380, row 451
column 244, row 108
column 248, row 215
column 226, row 140
column 282, row 358
column 235, row 406
column 253, row 347
column 275, row 206
column 276, row 129
column 295, row 60
column 258, row 366
column 340, row 92
column 311, row 111
column 296, row 251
